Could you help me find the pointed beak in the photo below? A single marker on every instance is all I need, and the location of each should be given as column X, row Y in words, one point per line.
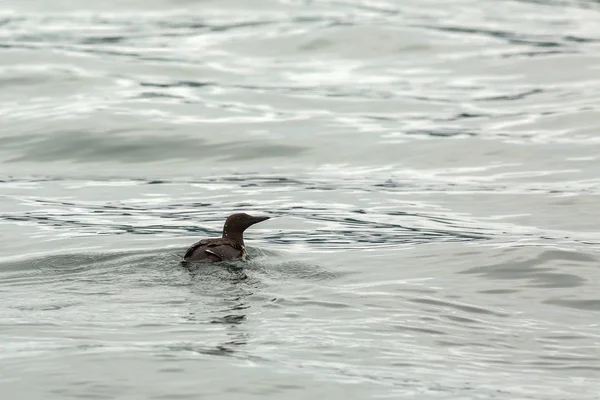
column 256, row 220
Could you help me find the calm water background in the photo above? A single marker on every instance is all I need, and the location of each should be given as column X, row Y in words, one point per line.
column 433, row 167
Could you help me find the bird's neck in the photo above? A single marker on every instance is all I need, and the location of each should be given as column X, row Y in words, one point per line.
column 235, row 236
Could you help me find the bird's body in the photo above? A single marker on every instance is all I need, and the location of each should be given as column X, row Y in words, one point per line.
column 228, row 247
column 214, row 250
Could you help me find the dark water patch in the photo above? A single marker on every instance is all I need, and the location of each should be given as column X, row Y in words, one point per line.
column 557, row 280
column 45, row 307
column 583, row 4
column 576, row 358
column 264, row 180
column 228, row 349
column 363, row 230
column 512, row 97
column 557, row 337
column 64, row 263
column 563, row 367
column 499, row 291
column 419, row 330
column 99, row 40
column 441, row 133
column 462, row 320
column 532, row 270
column 536, row 53
column 212, row 27
column 448, row 343
column 189, row 84
column 110, row 145
column 461, row 307
column 580, row 304
column 229, row 319
column 299, row 302
column 78, row 266
column 157, row 95
column 509, row 37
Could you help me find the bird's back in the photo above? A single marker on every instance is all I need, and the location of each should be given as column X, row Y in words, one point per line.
column 214, row 250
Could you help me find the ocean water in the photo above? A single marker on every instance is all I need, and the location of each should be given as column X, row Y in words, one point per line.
column 432, row 170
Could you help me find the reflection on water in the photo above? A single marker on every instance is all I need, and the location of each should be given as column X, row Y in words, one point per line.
column 229, row 306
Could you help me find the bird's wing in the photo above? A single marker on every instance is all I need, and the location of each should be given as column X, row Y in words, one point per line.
column 195, row 246
column 222, row 248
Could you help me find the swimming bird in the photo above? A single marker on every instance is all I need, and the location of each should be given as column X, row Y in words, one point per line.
column 228, row 247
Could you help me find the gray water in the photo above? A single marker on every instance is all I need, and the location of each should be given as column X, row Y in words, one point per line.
column 432, row 168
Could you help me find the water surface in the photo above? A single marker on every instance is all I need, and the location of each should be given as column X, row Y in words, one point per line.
column 432, row 170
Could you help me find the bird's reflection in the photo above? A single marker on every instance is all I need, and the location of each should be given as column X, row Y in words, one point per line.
column 229, row 290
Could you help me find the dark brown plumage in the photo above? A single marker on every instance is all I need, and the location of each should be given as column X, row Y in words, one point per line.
column 228, row 247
